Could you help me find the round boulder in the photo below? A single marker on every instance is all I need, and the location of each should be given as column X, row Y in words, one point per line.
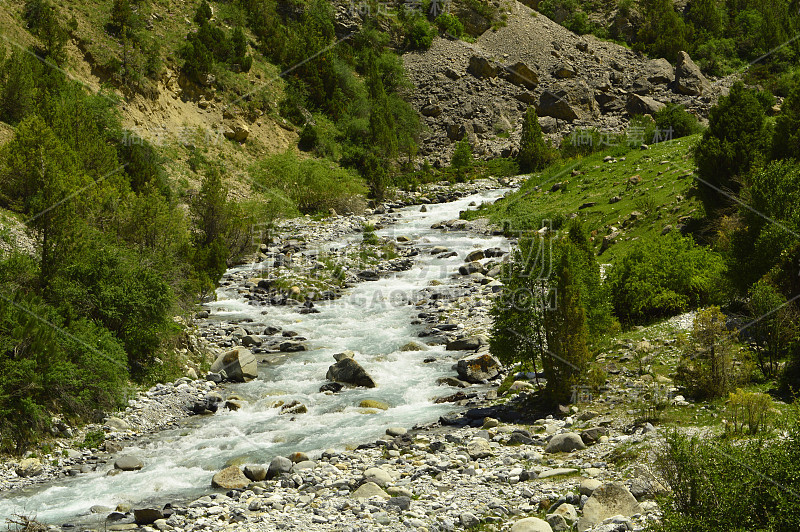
column 230, row 478
column 565, row 443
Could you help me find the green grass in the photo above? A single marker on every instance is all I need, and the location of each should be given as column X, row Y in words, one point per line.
column 590, row 180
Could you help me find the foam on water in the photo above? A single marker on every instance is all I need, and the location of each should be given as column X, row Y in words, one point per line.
column 372, row 319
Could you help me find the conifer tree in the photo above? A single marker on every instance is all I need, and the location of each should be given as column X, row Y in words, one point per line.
column 533, row 152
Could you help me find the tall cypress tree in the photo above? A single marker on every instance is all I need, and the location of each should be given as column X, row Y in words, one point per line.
column 533, row 152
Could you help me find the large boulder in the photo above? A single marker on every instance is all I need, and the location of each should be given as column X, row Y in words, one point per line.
column 470, row 343
column 349, row 371
column 521, row 74
column 480, row 67
column 659, row 71
column 379, row 476
column 147, row 516
column 369, row 490
column 239, row 365
column 478, row 368
column 256, row 473
column 479, row 448
column 280, row 465
column 29, row 467
column 128, row 463
column 531, row 524
column 230, row 478
column 688, row 78
column 568, row 102
column 610, row 499
column 642, row 105
column 565, row 443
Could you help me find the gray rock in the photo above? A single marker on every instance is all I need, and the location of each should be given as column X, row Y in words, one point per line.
column 471, row 343
column 610, row 499
column 569, row 102
column 471, row 267
column 279, row 466
column 477, row 368
column 659, row 71
column 147, row 516
column 531, row 524
column 377, row 475
column 642, row 105
column 117, row 424
column 468, row 520
column 403, row 503
column 128, row 463
column 480, row 67
column 256, row 473
column 369, row 490
column 349, row 371
column 588, row 485
column 239, row 365
column 521, row 74
column 230, row 478
column 564, row 443
column 564, row 71
column 688, row 78
column 29, row 467
column 479, row 448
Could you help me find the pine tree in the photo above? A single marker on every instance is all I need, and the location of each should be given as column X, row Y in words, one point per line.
column 567, row 358
column 17, row 99
column 533, row 152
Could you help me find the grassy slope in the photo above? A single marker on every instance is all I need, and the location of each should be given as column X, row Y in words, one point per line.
column 167, row 120
column 661, row 198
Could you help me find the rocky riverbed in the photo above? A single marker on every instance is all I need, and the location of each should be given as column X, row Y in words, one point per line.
column 491, row 464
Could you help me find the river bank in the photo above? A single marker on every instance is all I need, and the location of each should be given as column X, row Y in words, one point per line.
column 468, row 468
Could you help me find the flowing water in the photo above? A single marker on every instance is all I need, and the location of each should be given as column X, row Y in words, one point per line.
column 373, row 319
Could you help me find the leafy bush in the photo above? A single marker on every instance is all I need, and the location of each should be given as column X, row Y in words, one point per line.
column 709, row 479
column 462, row 156
column 735, row 141
column 706, row 369
column 314, row 185
column 748, row 410
column 664, row 276
column 674, row 118
column 418, row 32
column 450, row 25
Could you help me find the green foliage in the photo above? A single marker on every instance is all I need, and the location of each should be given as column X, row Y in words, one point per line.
column 43, row 19
column 566, row 360
column 210, row 45
column 551, row 305
column 462, row 155
column 774, row 329
column 450, row 25
column 572, row 15
column 708, row 480
column 766, row 240
column 534, row 154
column 18, row 95
column 707, row 367
column 663, row 276
column 786, row 139
column 46, row 362
column 93, row 439
column 664, row 32
column 735, row 141
column 418, row 32
column 674, row 118
column 313, row 185
column 748, row 412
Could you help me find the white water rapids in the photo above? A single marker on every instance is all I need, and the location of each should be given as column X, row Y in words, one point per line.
column 372, row 319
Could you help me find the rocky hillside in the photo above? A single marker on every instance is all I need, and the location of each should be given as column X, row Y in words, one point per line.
column 481, row 90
